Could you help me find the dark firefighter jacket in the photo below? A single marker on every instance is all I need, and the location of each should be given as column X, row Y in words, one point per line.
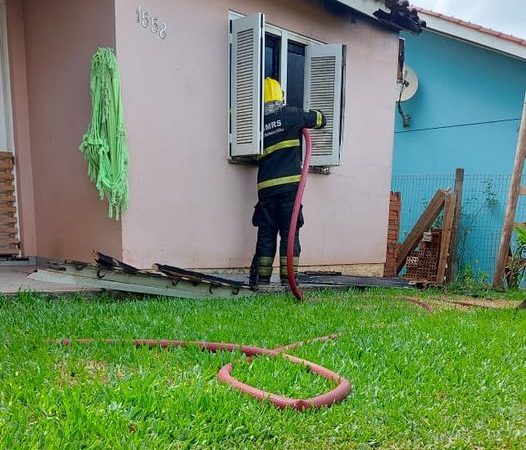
column 280, row 164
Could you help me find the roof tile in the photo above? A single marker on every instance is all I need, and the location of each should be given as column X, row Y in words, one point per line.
column 473, row 26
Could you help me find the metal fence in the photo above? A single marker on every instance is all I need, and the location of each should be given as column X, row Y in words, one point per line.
column 484, row 201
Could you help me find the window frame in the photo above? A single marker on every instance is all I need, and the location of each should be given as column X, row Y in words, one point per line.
column 285, row 36
column 325, row 67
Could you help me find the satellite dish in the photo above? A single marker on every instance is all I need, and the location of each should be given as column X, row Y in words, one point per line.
column 409, row 86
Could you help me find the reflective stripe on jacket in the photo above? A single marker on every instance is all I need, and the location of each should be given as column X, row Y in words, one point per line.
column 280, row 163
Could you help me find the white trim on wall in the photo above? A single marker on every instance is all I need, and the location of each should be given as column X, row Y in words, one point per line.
column 479, row 38
column 273, row 29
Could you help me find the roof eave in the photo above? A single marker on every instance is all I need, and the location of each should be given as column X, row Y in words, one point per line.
column 391, row 13
column 473, row 36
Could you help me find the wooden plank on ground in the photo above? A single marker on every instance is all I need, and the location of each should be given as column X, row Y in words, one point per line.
column 447, row 229
column 422, row 225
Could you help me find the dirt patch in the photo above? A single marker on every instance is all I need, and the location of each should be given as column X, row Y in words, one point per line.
column 65, row 376
column 464, row 302
column 480, row 302
column 98, row 371
column 90, row 371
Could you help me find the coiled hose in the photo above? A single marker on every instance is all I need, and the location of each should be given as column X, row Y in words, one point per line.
column 337, row 394
column 294, row 219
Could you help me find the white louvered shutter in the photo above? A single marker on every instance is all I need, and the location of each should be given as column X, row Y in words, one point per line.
column 324, row 86
column 246, row 92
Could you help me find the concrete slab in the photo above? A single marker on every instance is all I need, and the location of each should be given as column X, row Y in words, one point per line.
column 14, row 279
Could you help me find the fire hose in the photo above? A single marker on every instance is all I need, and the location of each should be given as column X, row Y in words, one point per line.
column 337, row 394
column 294, row 219
column 340, row 392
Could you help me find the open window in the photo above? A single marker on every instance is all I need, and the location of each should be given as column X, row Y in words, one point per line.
column 311, row 75
column 246, row 85
column 324, row 91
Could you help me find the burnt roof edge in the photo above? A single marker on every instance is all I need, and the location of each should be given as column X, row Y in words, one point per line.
column 401, row 16
column 396, row 15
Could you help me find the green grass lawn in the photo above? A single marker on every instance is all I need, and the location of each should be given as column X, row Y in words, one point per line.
column 451, row 379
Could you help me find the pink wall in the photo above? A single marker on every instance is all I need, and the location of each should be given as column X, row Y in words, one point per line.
column 189, row 206
column 22, row 140
column 60, row 38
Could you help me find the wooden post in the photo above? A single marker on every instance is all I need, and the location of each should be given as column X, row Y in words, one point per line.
column 452, row 268
column 511, row 207
column 423, row 224
column 447, row 228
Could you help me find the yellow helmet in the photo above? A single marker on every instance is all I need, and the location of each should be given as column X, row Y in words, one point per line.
column 273, row 92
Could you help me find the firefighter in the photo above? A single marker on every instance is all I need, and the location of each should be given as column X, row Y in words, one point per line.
column 279, row 174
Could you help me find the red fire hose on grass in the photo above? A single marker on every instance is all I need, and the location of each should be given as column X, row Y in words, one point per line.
column 337, row 394
column 294, row 219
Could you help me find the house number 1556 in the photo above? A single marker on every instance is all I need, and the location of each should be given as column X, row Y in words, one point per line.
column 145, row 19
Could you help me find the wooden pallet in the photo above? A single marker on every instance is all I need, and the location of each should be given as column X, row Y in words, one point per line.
column 430, row 264
column 9, row 241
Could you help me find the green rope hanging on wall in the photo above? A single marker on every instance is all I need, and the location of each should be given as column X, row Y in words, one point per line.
column 104, row 145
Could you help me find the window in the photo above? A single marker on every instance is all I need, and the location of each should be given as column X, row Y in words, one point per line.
column 272, row 56
column 311, row 76
column 295, row 67
column 295, row 74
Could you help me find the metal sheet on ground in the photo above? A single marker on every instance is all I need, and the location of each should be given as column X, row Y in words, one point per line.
column 329, row 281
column 143, row 283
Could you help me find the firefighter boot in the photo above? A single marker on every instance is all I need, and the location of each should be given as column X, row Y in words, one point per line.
column 264, row 269
column 283, row 271
column 253, row 279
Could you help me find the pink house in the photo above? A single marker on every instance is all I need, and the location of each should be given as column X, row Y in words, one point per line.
column 191, row 72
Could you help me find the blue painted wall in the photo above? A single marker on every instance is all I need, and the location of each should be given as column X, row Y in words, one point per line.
column 466, row 113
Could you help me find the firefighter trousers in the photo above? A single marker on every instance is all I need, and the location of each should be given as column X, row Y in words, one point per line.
column 272, row 216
